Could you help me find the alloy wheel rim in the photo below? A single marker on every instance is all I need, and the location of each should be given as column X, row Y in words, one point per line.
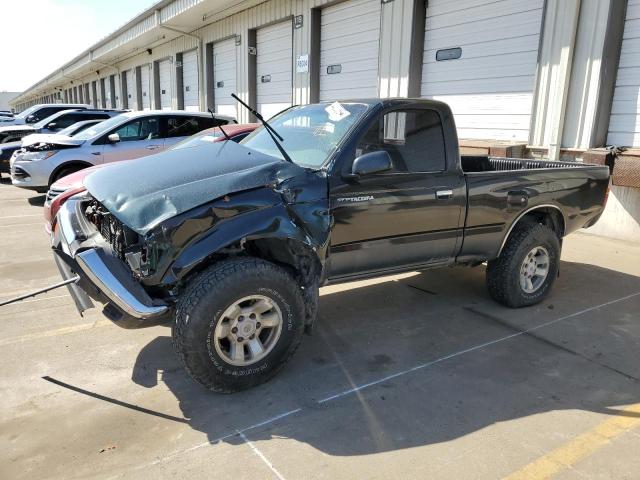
column 534, row 269
column 248, row 330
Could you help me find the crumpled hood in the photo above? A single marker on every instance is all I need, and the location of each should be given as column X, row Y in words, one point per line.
column 142, row 193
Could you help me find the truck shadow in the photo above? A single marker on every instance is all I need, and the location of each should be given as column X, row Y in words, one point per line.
column 422, row 328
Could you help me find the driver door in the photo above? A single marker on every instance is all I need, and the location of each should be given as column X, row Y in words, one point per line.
column 410, row 215
column 138, row 138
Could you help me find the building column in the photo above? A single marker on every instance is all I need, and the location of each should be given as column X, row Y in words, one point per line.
column 577, row 65
column 554, row 73
column 401, row 45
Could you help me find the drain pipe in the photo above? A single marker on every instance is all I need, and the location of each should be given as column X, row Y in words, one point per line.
column 201, row 80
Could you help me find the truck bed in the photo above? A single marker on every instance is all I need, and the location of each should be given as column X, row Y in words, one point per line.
column 484, row 163
column 577, row 190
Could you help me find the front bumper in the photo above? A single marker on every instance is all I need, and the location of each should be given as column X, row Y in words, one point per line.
column 32, row 175
column 79, row 249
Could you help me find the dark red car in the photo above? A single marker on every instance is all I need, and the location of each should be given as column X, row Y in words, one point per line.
column 72, row 184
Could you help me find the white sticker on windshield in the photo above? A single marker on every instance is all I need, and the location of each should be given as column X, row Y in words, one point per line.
column 336, row 112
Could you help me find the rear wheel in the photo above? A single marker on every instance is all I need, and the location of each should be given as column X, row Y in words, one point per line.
column 527, row 267
column 238, row 323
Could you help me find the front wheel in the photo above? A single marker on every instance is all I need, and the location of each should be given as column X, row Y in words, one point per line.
column 524, row 272
column 238, row 323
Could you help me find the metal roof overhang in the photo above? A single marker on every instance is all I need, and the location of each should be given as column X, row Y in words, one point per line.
column 144, row 31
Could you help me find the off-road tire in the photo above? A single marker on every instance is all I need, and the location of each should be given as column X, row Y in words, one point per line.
column 204, row 301
column 503, row 273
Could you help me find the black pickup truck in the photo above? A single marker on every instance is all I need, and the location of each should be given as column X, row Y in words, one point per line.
column 233, row 246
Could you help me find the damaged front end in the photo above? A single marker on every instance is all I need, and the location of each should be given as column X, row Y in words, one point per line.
column 89, row 242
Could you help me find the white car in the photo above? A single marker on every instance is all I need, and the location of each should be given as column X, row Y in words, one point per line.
column 127, row 136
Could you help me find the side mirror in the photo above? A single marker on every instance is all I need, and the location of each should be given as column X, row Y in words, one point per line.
column 370, row 163
column 113, row 138
column 51, row 126
column 31, row 119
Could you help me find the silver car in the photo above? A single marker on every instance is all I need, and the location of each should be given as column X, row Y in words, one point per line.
column 127, row 136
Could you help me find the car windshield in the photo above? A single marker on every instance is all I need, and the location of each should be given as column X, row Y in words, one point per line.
column 49, row 119
column 26, row 113
column 99, row 129
column 311, row 133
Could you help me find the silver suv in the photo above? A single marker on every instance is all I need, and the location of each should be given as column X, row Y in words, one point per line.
column 127, row 136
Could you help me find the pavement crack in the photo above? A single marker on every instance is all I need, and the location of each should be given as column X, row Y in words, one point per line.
column 548, row 342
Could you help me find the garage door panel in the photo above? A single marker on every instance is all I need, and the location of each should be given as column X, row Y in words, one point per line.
column 366, row 41
column 498, row 53
column 367, row 19
column 624, row 122
column 145, row 82
column 224, row 76
column 275, row 64
column 446, row 12
column 131, row 91
column 473, row 68
column 499, row 41
column 515, row 39
column 350, row 37
column 190, row 81
column 486, row 104
column 164, row 68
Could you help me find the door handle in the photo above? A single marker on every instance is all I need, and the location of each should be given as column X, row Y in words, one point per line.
column 152, row 147
column 444, row 194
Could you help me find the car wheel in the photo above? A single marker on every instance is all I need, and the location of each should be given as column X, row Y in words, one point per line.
column 238, row 323
column 524, row 272
column 63, row 172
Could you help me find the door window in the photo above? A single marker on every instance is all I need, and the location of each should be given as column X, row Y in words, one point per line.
column 413, row 138
column 185, row 126
column 142, row 129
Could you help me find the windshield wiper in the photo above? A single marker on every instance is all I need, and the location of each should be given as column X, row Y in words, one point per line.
column 213, row 116
column 270, row 130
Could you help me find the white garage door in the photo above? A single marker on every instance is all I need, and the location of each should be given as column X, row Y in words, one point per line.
column 132, row 103
column 190, row 83
column 165, row 84
column 624, row 124
column 118, row 87
column 224, row 77
column 490, row 86
column 145, row 85
column 350, row 37
column 105, row 84
column 274, row 68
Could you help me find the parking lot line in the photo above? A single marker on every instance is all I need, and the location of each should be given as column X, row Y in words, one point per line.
column 580, row 447
column 261, row 455
column 471, row 349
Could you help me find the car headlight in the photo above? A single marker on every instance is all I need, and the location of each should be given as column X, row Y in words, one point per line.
column 36, row 156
